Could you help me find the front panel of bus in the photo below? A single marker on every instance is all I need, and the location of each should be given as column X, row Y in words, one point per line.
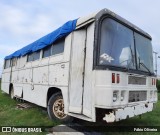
column 123, row 65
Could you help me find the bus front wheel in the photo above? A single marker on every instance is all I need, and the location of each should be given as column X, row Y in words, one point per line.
column 55, row 109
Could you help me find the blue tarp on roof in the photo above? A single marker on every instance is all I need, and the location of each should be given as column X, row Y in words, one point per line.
column 62, row 31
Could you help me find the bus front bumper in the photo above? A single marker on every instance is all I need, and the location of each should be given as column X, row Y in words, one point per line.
column 128, row 112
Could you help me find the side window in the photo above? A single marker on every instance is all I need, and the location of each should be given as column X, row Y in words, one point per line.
column 36, row 55
column 33, row 56
column 58, row 47
column 14, row 62
column 7, row 64
column 47, row 52
column 30, row 57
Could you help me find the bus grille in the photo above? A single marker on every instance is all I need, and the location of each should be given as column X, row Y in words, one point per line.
column 136, row 80
column 135, row 96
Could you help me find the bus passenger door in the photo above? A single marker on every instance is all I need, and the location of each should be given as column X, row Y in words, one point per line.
column 77, row 57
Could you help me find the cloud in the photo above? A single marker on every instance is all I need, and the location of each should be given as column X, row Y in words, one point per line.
column 16, row 22
column 12, row 19
column 5, row 50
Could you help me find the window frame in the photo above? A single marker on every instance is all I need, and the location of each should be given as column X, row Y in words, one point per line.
column 137, row 49
column 9, row 64
column 29, row 55
column 32, row 55
column 122, row 27
column 56, row 44
column 50, row 46
column 37, row 52
column 14, row 62
column 96, row 50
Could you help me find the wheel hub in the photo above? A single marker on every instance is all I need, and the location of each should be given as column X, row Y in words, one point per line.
column 58, row 109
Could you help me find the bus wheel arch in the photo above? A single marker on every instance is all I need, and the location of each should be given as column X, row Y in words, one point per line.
column 55, row 105
column 52, row 91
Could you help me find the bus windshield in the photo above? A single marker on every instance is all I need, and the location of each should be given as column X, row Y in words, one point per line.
column 117, row 47
column 144, row 53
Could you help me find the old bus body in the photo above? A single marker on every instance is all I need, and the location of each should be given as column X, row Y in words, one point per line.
column 102, row 69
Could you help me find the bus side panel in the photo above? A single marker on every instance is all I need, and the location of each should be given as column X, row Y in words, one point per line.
column 88, row 97
column 39, row 94
column 14, row 75
column 40, row 75
column 21, row 74
column 76, row 71
column 6, row 80
column 17, row 82
column 36, row 95
column 66, row 57
column 36, row 90
column 35, row 83
column 58, row 74
column 28, row 73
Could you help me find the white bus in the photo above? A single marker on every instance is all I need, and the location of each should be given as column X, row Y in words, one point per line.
column 97, row 67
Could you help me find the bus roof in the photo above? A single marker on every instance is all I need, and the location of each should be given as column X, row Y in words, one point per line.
column 67, row 28
column 105, row 12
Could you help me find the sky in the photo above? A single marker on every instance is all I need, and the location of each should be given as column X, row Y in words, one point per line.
column 23, row 22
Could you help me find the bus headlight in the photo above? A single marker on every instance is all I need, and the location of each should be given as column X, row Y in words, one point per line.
column 115, row 96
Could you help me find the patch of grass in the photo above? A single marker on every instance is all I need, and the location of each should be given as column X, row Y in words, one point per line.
column 0, row 83
column 11, row 116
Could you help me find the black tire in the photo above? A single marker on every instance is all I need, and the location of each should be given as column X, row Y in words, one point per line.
column 53, row 114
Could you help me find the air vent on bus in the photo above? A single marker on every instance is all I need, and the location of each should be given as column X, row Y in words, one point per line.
column 135, row 96
column 136, row 80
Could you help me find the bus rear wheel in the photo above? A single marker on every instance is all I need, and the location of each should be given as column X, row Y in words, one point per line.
column 55, row 109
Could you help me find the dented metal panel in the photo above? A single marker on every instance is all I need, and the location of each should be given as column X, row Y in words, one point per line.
column 88, row 97
column 128, row 112
column 76, row 71
column 58, row 74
